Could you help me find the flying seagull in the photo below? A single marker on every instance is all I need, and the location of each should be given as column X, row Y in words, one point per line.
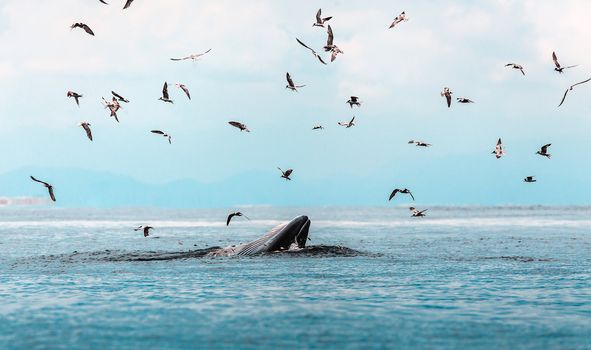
column 420, row 143
column 544, row 151
column 48, row 186
column 464, row 100
column 113, row 106
column 165, row 96
column 184, row 88
column 239, row 125
column 330, row 46
column 193, row 57
column 348, row 124
column 165, row 135
column 401, row 17
column 286, row 174
column 127, row 4
column 416, row 212
column 317, row 127
column 234, row 214
column 290, row 84
column 319, row 20
column 83, row 26
column 146, row 230
column 119, row 97
column 515, row 66
column 398, row 190
column 354, row 101
column 312, row 50
column 86, row 127
column 499, row 151
column 530, row 179
column 570, row 88
column 447, row 94
column 75, row 95
column 559, row 68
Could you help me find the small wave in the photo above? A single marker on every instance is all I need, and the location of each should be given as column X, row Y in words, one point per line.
column 319, row 251
column 139, row 256
column 517, row 258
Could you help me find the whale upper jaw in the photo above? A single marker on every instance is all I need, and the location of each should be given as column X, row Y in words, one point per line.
column 283, row 237
column 293, row 233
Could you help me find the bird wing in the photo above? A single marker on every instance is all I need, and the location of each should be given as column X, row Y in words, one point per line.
column 157, row 132
column 333, row 56
column 421, row 212
column 42, row 182
column 563, row 97
column 288, row 172
column 201, row 54
column 87, row 29
column 289, row 81
column 499, row 142
column 76, row 98
column 352, row 120
column 448, row 99
column 88, row 131
column 545, row 147
column 522, row 72
column 235, row 124
column 119, row 96
column 393, row 24
column 393, row 194
column 165, row 90
column 573, row 66
column 186, row 90
column 411, row 196
column 306, row 46
column 354, row 98
column 127, row 4
column 319, row 16
column 555, row 59
column 51, row 195
column 330, row 36
column 320, row 59
column 229, row 218
column 579, row 83
column 103, row 1
column 179, row 59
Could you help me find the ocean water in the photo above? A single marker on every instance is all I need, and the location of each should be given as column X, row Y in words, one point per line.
column 463, row 277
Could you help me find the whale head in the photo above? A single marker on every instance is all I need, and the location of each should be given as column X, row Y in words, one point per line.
column 294, row 232
column 282, row 237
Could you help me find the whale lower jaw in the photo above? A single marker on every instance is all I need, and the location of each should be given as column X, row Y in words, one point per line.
column 289, row 236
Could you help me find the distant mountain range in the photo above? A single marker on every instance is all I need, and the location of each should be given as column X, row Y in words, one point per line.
column 86, row 188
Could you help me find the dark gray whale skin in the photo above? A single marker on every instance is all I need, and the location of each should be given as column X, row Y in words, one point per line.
column 291, row 235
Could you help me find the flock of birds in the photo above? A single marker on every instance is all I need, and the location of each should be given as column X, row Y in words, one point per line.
column 114, row 105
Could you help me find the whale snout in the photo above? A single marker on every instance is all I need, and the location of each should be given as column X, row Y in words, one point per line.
column 302, row 237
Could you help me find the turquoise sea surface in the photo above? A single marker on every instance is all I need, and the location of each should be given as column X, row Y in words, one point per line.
column 462, row 277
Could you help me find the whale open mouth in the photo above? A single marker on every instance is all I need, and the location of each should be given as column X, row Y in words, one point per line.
column 294, row 232
column 302, row 236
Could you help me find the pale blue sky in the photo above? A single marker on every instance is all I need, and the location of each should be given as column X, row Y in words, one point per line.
column 397, row 73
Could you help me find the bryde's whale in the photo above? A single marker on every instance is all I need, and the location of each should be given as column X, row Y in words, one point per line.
column 290, row 235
